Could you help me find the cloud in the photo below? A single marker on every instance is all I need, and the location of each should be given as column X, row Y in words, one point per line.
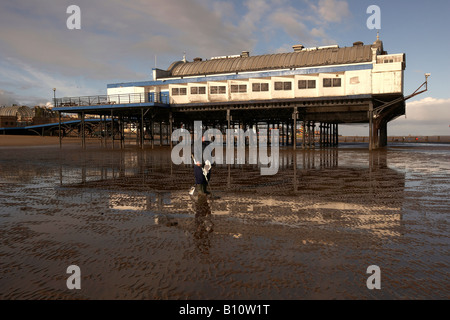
column 291, row 22
column 428, row 116
column 332, row 10
column 7, row 98
column 119, row 40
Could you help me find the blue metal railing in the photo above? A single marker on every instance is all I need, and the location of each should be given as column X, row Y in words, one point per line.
column 112, row 99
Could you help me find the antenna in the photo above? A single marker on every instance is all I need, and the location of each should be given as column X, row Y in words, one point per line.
column 184, row 56
column 155, row 61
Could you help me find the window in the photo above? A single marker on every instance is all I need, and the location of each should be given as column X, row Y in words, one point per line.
column 241, row 88
column 217, row 90
column 306, row 84
column 331, row 82
column 198, row 90
column 336, row 82
column 258, row 87
column 287, row 85
column 178, row 91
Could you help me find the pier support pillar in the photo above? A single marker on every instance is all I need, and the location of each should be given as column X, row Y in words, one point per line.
column 59, row 129
column 294, row 131
column 83, row 134
column 170, row 129
column 141, row 129
column 160, row 134
column 382, row 141
column 371, row 129
column 112, row 128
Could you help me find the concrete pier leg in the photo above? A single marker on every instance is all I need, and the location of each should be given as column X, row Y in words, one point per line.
column 371, row 129
column 160, row 133
column 141, row 129
column 383, row 135
column 112, row 128
column 321, row 135
column 328, row 134
column 294, row 131
column 59, row 129
column 170, row 129
column 337, row 134
column 122, row 132
column 83, row 136
column 303, row 135
column 152, row 128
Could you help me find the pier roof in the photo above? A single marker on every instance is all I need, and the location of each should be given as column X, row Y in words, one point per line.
column 332, row 55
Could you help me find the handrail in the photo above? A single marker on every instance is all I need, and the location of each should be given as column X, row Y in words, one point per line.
column 127, row 98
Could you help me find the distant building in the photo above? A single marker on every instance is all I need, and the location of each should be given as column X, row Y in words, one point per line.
column 15, row 116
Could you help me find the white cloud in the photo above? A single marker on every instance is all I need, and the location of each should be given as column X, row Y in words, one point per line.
column 291, row 22
column 118, row 40
column 428, row 116
column 332, row 10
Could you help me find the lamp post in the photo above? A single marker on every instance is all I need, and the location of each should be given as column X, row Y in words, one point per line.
column 59, row 118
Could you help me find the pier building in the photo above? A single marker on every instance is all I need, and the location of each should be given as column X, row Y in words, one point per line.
column 305, row 94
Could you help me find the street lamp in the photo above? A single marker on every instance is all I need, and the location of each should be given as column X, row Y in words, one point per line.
column 426, row 79
column 54, row 97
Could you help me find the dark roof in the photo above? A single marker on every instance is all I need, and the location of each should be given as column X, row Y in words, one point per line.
column 321, row 57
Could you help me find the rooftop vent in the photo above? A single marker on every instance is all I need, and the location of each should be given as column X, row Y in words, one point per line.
column 333, row 46
column 226, row 57
column 197, row 59
column 358, row 44
column 298, row 47
column 245, row 54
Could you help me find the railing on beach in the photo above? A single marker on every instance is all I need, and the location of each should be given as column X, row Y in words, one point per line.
column 112, row 99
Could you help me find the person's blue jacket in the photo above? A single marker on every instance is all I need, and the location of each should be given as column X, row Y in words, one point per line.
column 199, row 177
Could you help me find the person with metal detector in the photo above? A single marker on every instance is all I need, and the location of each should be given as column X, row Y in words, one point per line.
column 202, row 176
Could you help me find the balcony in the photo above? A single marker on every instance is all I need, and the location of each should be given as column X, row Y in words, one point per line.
column 115, row 99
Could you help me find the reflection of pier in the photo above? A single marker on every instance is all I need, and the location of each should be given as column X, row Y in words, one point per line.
column 312, row 187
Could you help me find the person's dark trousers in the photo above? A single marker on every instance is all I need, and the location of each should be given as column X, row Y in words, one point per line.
column 202, row 188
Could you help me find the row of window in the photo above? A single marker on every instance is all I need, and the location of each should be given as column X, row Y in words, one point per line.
column 259, row 87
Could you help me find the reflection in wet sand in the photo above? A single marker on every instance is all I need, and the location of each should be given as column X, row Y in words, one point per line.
column 127, row 219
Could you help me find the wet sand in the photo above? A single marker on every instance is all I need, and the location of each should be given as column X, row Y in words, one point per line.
column 125, row 217
column 22, row 141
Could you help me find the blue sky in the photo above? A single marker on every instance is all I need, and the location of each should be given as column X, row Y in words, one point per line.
column 119, row 40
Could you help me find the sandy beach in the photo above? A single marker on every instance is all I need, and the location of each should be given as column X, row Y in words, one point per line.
column 23, row 140
column 26, row 141
column 125, row 217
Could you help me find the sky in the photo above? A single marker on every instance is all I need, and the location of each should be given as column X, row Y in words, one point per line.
column 121, row 41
